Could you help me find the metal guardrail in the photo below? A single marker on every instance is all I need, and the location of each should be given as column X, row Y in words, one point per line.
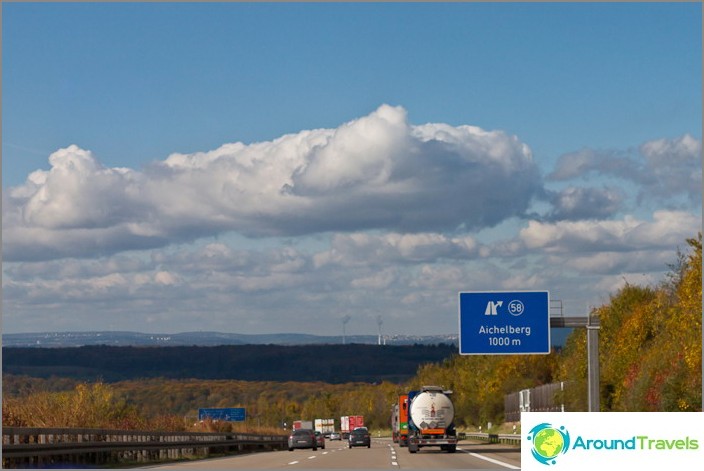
column 511, row 439
column 24, row 447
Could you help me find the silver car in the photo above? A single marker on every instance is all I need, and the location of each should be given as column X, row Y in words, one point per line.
column 302, row 438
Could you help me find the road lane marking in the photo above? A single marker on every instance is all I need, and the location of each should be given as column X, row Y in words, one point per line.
column 293, row 462
column 491, row 460
column 311, row 457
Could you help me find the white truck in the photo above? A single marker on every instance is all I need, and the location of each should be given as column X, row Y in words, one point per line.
column 325, row 426
column 299, row 424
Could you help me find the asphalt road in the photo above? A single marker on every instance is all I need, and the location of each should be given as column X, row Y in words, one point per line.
column 383, row 454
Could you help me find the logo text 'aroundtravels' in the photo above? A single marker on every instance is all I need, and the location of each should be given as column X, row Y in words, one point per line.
column 549, row 442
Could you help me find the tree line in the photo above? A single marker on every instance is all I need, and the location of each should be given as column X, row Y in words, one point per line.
column 650, row 360
column 328, row 363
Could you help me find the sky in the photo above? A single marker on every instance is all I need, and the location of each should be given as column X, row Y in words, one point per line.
column 284, row 167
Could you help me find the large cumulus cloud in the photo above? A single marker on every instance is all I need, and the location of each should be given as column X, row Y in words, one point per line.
column 375, row 172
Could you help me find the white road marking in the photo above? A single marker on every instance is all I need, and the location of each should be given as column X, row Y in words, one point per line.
column 311, row 457
column 293, row 462
column 491, row 460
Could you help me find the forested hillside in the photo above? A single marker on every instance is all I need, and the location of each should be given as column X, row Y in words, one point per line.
column 327, row 363
column 650, row 360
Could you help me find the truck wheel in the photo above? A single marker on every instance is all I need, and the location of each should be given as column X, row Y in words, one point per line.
column 290, row 449
column 451, row 448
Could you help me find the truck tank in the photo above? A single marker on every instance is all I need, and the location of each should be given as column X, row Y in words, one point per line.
column 432, row 410
column 430, row 419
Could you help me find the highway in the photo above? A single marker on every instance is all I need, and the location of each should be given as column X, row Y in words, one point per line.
column 383, row 454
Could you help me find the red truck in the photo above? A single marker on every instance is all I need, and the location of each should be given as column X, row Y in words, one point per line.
column 349, row 423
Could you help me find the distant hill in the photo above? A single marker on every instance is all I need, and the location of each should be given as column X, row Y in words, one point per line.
column 331, row 363
column 204, row 339
column 79, row 339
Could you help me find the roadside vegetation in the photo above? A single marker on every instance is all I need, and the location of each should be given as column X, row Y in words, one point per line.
column 650, row 360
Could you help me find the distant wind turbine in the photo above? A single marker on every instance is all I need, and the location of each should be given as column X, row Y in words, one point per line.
column 345, row 320
column 378, row 323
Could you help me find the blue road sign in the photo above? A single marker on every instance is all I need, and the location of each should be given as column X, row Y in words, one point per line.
column 227, row 414
column 504, row 322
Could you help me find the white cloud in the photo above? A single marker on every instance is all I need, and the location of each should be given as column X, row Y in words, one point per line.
column 412, row 277
column 667, row 229
column 575, row 203
column 358, row 247
column 663, row 169
column 376, row 172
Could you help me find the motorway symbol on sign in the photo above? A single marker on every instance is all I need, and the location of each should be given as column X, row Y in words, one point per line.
column 504, row 322
column 228, row 414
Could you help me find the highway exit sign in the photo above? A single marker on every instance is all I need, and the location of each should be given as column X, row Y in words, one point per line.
column 227, row 414
column 504, row 322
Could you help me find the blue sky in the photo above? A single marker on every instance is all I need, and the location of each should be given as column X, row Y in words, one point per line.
column 272, row 167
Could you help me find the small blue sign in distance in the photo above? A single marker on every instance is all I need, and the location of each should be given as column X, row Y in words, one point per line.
column 504, row 322
column 227, row 414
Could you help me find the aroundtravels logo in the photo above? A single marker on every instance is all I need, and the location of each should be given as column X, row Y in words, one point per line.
column 548, row 442
column 611, row 440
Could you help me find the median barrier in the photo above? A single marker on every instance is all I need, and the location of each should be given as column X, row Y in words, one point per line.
column 510, row 439
column 24, row 447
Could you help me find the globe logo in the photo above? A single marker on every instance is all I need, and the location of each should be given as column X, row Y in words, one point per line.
column 548, row 442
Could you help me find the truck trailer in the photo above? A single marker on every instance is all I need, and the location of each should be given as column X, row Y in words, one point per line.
column 430, row 419
column 399, row 421
column 349, row 423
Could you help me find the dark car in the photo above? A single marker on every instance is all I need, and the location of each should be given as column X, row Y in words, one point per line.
column 302, row 438
column 359, row 437
column 320, row 438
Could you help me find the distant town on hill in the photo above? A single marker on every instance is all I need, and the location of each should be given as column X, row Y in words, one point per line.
column 201, row 338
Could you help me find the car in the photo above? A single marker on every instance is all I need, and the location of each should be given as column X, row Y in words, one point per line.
column 359, row 437
column 335, row 436
column 302, row 438
column 320, row 439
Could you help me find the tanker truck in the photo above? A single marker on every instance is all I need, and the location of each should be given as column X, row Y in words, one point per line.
column 430, row 419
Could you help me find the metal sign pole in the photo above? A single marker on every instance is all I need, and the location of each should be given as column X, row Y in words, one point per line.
column 593, row 367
